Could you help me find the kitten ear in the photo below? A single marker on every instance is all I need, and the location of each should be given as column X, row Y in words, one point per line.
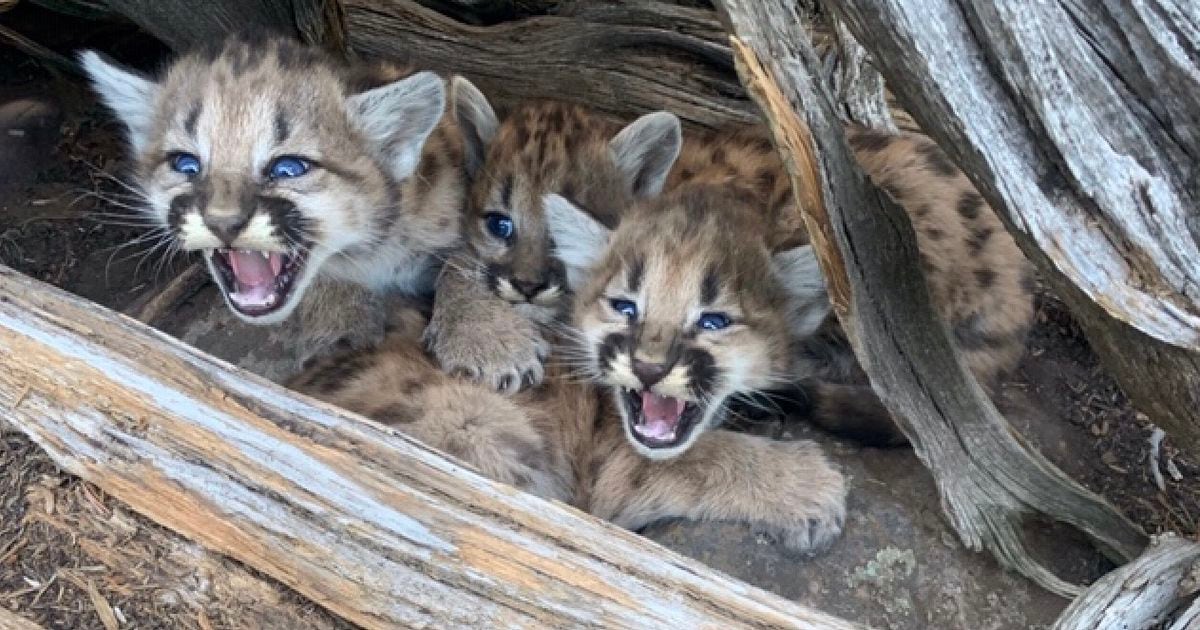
column 646, row 149
column 398, row 118
column 798, row 271
column 128, row 94
column 476, row 120
column 579, row 240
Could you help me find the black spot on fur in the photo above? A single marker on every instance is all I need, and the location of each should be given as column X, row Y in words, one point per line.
column 870, row 140
column 506, row 191
column 179, row 205
column 936, row 160
column 978, row 239
column 634, row 274
column 289, row 225
column 398, row 413
column 609, row 347
column 969, row 205
column 934, row 234
column 985, row 277
column 710, row 287
column 189, row 123
column 702, row 369
column 282, row 129
column 970, row 335
column 331, row 375
column 413, row 385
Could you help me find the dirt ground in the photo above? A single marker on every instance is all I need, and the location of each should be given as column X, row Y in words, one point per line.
column 72, row 558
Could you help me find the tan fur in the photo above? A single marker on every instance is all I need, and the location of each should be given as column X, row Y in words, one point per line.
column 489, row 330
column 561, row 441
column 363, row 218
column 728, row 205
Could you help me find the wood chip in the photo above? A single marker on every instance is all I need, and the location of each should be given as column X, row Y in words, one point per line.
column 103, row 610
column 202, row 621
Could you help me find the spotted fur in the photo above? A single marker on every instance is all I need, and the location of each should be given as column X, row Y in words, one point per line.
column 512, row 276
column 376, row 208
column 726, row 238
column 561, row 441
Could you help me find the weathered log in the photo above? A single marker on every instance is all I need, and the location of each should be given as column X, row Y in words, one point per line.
column 987, row 479
column 621, row 68
column 1188, row 619
column 1080, row 123
column 1142, row 593
column 361, row 520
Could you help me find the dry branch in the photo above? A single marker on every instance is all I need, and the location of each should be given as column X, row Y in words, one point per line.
column 365, row 522
column 1080, row 123
column 1142, row 593
column 987, row 479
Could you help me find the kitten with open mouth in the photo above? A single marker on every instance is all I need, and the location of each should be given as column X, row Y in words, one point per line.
column 657, row 420
column 255, row 283
column 294, row 176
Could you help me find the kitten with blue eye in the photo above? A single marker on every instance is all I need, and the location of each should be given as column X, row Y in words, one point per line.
column 307, row 185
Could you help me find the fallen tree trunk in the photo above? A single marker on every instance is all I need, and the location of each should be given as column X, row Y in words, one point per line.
column 1080, row 123
column 987, row 478
column 361, row 520
column 1142, row 593
column 621, row 58
column 603, row 59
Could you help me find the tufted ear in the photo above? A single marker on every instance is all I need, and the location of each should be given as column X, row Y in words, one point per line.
column 579, row 240
column 800, row 274
column 475, row 118
column 128, row 94
column 646, row 150
column 398, row 118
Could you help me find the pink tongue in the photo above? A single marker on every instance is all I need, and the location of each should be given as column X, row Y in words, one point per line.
column 660, row 416
column 250, row 268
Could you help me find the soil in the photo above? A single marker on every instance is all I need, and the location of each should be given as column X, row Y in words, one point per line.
column 72, row 558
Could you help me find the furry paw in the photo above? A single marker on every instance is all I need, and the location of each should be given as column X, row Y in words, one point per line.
column 812, row 511
column 497, row 348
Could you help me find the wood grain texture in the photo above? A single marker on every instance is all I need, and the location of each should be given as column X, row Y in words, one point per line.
column 623, row 65
column 1142, row 593
column 356, row 517
column 1079, row 121
column 987, row 479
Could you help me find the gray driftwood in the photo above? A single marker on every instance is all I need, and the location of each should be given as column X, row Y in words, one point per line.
column 621, row 62
column 1080, row 122
column 988, row 480
column 359, row 519
column 1143, row 593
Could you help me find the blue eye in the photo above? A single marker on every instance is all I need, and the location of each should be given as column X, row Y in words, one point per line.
column 624, row 307
column 713, row 321
column 287, row 167
column 500, row 225
column 185, row 163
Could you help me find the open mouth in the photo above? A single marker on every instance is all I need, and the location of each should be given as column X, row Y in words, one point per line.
column 659, row 421
column 256, row 282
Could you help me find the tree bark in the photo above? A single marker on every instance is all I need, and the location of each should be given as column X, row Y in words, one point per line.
column 599, row 58
column 1080, row 123
column 1142, row 593
column 361, row 520
column 987, row 479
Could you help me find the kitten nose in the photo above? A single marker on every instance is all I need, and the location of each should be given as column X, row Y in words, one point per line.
column 226, row 227
column 529, row 288
column 650, row 373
